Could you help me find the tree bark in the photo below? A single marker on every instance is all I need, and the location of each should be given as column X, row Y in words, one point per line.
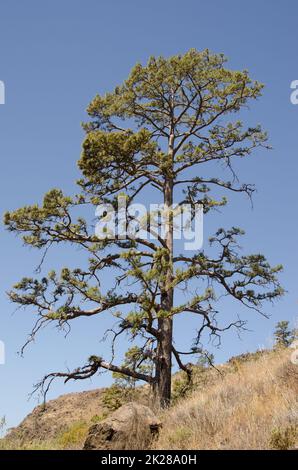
column 165, row 324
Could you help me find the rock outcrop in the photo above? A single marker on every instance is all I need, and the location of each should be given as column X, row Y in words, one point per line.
column 132, row 426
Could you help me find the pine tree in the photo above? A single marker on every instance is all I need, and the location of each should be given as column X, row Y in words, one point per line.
column 284, row 336
column 165, row 128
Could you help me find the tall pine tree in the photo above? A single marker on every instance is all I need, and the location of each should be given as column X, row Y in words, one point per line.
column 165, row 128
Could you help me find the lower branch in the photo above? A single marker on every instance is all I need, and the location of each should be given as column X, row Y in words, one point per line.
column 87, row 371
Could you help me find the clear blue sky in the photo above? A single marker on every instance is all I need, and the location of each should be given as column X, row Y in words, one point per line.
column 54, row 57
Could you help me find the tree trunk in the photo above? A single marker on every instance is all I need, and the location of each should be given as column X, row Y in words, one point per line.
column 165, row 324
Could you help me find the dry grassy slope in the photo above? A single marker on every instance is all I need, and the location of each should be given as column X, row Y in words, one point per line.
column 251, row 404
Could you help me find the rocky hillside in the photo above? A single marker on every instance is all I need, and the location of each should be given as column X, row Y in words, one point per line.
column 249, row 403
column 59, row 415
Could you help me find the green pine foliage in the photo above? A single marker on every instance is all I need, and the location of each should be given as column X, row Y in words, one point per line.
column 171, row 127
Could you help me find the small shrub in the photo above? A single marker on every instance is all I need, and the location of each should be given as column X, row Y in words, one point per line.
column 284, row 439
column 180, row 437
column 283, row 335
column 74, row 435
column 181, row 387
column 113, row 398
column 98, row 418
column 117, row 395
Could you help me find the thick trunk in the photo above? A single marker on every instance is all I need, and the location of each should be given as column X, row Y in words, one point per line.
column 164, row 363
column 165, row 324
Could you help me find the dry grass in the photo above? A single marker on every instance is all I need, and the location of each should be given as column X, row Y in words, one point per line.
column 73, row 437
column 253, row 406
